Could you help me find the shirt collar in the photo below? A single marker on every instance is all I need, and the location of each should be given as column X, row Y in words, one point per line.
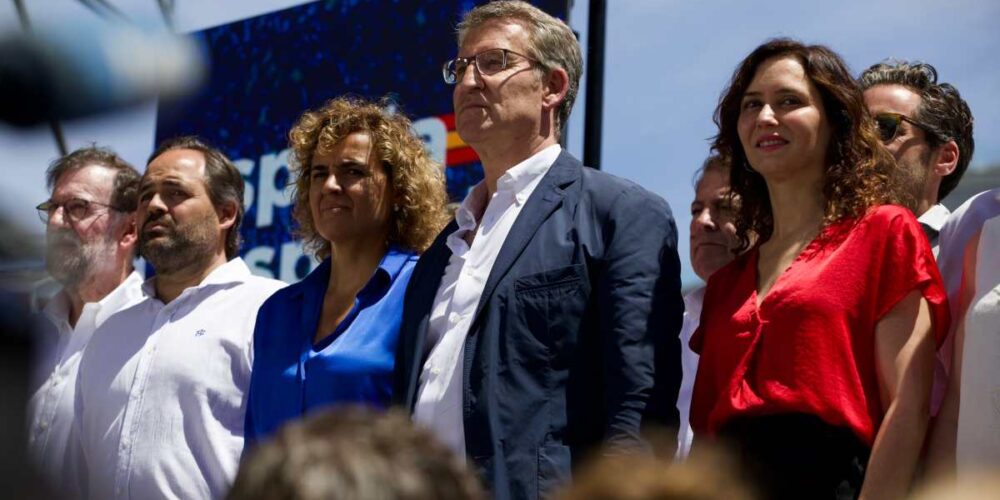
column 935, row 217
column 234, row 271
column 57, row 309
column 520, row 180
column 520, row 177
column 389, row 267
column 121, row 296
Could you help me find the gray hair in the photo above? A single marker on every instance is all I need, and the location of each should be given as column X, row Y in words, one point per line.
column 124, row 190
column 552, row 42
column 942, row 110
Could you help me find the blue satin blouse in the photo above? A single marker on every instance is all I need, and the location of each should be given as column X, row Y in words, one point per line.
column 292, row 376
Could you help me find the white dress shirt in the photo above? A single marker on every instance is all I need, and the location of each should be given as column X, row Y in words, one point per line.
column 689, row 368
column 932, row 221
column 60, row 347
column 161, row 393
column 483, row 226
column 977, row 445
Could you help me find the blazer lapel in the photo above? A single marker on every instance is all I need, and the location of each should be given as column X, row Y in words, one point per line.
column 420, row 294
column 542, row 202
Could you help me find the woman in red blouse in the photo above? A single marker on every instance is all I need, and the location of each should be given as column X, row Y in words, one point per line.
column 817, row 342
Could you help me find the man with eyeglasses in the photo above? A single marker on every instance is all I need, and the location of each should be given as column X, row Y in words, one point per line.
column 927, row 126
column 91, row 239
column 543, row 322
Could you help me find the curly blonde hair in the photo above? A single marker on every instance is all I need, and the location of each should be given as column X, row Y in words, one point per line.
column 417, row 181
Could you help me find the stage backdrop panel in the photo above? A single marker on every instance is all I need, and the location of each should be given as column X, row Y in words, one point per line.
column 267, row 70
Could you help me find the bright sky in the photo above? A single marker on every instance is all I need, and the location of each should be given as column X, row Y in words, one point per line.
column 667, row 61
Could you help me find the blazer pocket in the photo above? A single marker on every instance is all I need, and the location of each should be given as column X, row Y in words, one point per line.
column 551, row 280
column 549, row 307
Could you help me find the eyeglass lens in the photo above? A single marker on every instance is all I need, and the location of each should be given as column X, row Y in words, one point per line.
column 488, row 62
column 74, row 209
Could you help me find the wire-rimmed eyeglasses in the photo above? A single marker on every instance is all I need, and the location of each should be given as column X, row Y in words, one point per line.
column 488, row 62
column 74, row 209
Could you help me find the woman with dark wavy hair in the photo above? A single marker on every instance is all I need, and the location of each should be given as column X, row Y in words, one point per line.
column 817, row 342
column 368, row 199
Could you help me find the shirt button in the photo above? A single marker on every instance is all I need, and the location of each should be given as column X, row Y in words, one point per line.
column 43, row 425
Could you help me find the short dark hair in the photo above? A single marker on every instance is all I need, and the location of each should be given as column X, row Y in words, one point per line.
column 942, row 111
column 222, row 180
column 352, row 452
column 124, row 190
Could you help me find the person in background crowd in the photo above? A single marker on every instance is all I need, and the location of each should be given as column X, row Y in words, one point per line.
column 162, row 387
column 544, row 320
column 927, row 127
column 965, row 438
column 90, row 243
column 354, row 453
column 817, row 343
column 713, row 240
column 368, row 199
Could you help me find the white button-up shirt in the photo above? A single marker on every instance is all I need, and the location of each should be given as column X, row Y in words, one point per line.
column 161, row 393
column 689, row 369
column 932, row 221
column 485, row 223
column 50, row 410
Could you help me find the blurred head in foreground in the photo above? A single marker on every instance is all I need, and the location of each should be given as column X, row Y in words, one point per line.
column 354, row 453
column 707, row 474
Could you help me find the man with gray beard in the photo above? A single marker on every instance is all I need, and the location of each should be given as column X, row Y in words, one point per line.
column 161, row 393
column 91, row 238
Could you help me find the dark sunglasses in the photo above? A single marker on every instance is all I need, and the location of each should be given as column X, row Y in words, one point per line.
column 888, row 125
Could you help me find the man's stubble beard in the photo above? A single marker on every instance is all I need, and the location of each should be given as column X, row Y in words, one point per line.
column 181, row 247
column 911, row 177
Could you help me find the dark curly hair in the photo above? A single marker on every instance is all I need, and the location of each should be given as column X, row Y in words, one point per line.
column 858, row 167
column 416, row 180
column 942, row 112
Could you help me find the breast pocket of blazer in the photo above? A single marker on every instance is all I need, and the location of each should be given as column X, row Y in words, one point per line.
column 551, row 304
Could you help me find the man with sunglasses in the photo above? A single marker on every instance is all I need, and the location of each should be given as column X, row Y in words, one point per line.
column 91, row 240
column 928, row 128
column 543, row 321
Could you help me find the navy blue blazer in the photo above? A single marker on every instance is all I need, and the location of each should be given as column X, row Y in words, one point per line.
column 575, row 339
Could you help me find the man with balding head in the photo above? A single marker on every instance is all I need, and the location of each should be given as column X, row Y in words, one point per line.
column 162, row 388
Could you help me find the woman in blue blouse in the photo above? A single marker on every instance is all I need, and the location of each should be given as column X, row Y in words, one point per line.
column 368, row 199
